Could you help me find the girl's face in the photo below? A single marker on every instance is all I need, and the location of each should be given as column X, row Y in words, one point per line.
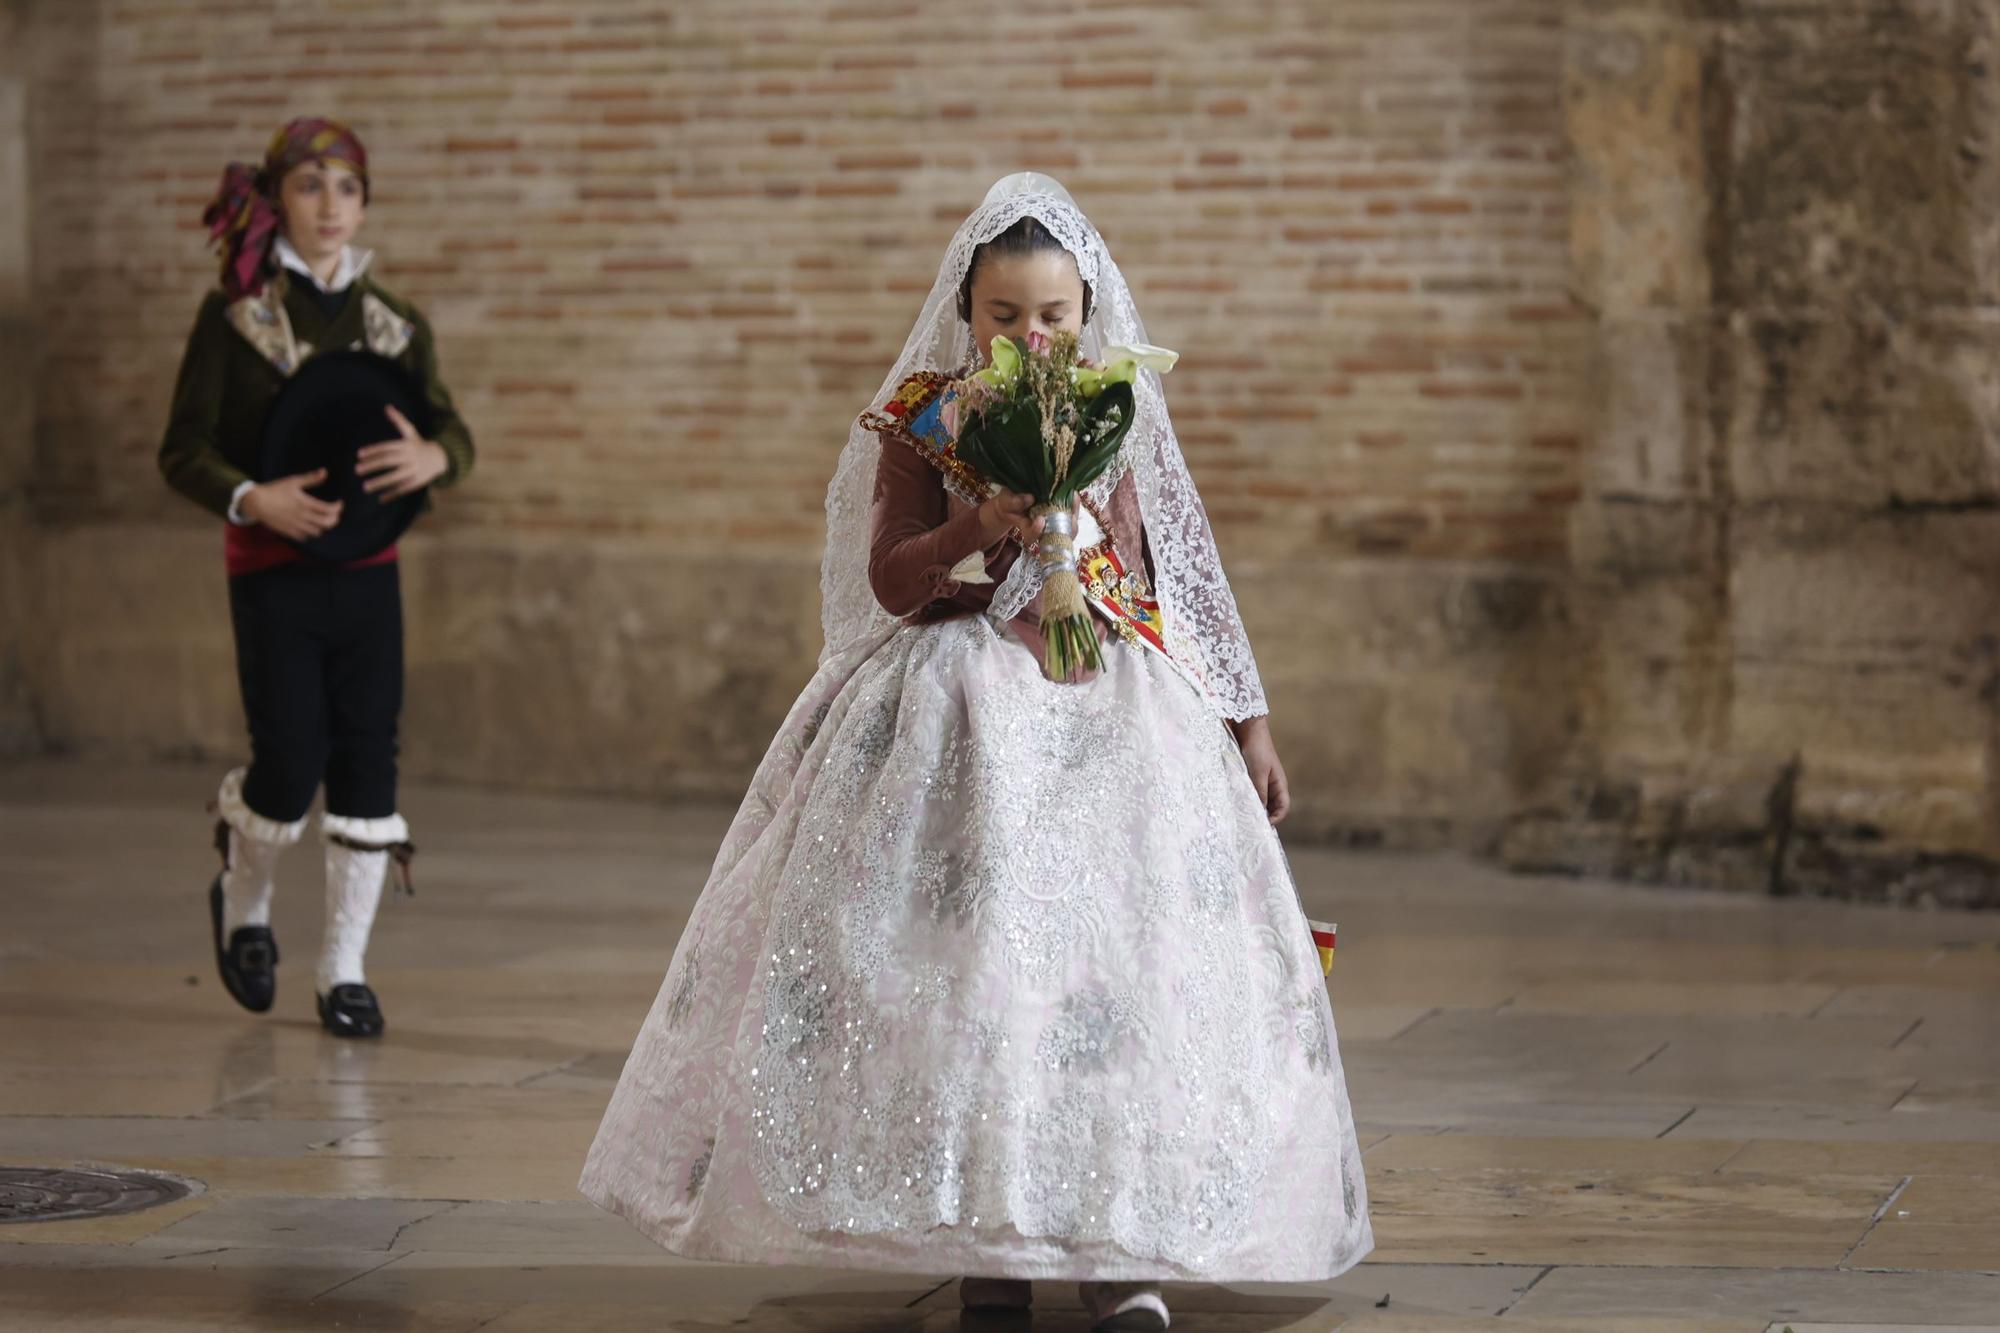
column 1015, row 295
column 323, row 207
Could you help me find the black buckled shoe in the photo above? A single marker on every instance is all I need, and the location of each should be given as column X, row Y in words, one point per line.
column 249, row 959
column 351, row 1010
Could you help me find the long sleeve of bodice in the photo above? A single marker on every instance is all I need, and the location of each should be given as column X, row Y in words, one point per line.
column 917, row 535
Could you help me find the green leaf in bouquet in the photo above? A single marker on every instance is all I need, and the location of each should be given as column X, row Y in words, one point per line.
column 1105, row 423
column 1021, row 437
column 1003, row 447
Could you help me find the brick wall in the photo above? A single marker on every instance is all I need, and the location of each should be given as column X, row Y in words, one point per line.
column 670, row 249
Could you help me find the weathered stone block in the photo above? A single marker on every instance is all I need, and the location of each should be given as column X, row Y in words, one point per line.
column 1331, row 731
column 1867, row 871
column 1655, row 691
column 1931, row 803
column 1432, row 697
column 1872, row 633
column 1621, row 541
column 1865, row 411
column 1632, row 98
column 1652, row 409
column 594, row 670
column 137, row 651
column 20, row 722
column 602, row 669
column 1858, row 170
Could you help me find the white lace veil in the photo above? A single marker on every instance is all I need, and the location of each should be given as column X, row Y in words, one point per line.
column 1201, row 615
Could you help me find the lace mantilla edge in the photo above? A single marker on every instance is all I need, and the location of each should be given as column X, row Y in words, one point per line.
column 1186, row 575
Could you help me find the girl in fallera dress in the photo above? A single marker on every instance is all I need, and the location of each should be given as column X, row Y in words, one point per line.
column 997, row 974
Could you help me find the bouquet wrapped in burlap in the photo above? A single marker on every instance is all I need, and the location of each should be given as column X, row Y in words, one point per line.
column 1041, row 422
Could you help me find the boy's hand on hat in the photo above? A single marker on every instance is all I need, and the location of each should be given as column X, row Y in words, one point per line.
column 397, row 467
column 287, row 507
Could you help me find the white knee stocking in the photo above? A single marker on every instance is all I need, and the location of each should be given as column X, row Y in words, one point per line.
column 357, row 867
column 250, row 869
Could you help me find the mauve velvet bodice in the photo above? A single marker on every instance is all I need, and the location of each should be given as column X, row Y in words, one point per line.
column 918, row 531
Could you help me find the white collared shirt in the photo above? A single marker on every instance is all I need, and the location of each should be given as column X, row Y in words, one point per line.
column 353, row 263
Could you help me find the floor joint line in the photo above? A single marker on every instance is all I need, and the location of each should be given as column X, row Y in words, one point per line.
column 1677, row 1124
column 1532, row 1283
column 1875, row 1221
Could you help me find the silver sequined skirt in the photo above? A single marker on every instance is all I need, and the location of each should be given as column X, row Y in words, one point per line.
column 994, row 976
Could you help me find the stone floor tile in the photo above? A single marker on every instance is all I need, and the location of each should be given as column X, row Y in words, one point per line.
column 58, row 1140
column 1949, row 1222
column 551, row 1229
column 1773, row 1294
column 1450, row 1153
column 1873, row 1157
column 1810, row 1120
column 1793, row 999
column 287, row 1223
column 1593, row 1107
column 565, row 1140
column 376, row 1099
column 659, row 1280
column 327, row 1175
column 1620, row 1218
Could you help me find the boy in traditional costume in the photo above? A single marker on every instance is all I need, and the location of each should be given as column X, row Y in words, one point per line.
column 319, row 642
column 999, row 974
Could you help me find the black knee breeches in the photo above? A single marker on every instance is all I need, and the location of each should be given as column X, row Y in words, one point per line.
column 319, row 656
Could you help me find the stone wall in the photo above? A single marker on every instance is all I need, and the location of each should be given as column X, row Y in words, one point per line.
column 1788, row 549
column 19, row 729
column 670, row 250
column 1594, row 398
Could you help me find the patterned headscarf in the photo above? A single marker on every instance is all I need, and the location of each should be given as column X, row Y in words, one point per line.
column 244, row 220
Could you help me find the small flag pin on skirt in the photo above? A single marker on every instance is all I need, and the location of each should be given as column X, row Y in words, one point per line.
column 1323, row 940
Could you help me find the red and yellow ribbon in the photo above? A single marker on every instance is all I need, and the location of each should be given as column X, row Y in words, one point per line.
column 1323, row 933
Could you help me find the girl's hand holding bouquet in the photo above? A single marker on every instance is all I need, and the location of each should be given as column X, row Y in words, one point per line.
column 1043, row 425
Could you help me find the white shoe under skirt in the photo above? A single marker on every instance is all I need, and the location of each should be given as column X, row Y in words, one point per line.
column 1000, row 977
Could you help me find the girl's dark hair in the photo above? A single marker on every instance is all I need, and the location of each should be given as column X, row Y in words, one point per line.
column 1026, row 237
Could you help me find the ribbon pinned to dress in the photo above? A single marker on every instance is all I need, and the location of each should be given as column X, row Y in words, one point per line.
column 1323, row 934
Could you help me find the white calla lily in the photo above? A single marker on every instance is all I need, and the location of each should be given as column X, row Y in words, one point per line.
column 1159, row 360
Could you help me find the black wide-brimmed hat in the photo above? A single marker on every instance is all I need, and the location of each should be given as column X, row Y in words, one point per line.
column 330, row 408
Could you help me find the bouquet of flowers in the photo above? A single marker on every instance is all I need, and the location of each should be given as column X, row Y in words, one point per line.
column 1040, row 421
